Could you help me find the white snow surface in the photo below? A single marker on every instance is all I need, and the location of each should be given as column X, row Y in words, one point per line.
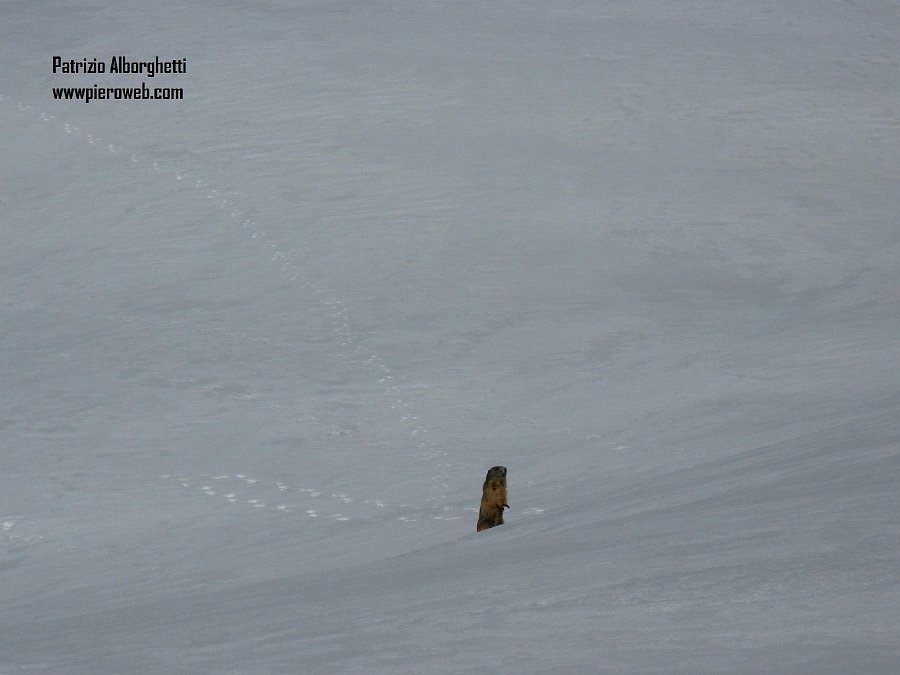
column 259, row 347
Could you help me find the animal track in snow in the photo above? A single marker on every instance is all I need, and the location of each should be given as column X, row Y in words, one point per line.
column 347, row 344
column 275, row 495
column 9, row 533
column 241, row 489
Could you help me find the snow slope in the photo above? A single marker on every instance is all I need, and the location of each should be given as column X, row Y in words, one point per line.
column 259, row 346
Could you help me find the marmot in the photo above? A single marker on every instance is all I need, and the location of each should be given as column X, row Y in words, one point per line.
column 493, row 499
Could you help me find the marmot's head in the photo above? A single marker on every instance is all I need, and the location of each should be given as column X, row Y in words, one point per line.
column 496, row 472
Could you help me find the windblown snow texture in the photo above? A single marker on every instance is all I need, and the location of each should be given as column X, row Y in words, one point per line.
column 258, row 347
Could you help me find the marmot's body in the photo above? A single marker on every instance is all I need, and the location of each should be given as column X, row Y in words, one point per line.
column 493, row 499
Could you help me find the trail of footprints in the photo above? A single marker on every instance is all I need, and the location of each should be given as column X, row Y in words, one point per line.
column 245, row 491
column 347, row 344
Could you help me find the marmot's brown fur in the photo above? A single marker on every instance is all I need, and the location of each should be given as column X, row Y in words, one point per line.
column 493, row 499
